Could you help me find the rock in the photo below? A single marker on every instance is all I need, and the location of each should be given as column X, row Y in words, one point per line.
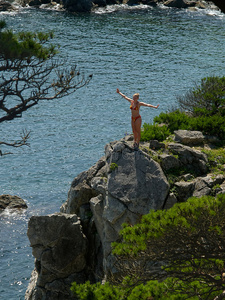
column 156, row 145
column 187, row 137
column 176, row 3
column 6, row 6
column 184, row 190
column 170, row 201
column 59, row 247
column 82, row 190
column 169, row 162
column 77, row 5
column 136, row 185
column 200, row 186
column 193, row 138
column 192, row 159
column 12, row 202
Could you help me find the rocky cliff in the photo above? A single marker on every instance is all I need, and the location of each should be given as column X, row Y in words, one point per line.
column 75, row 244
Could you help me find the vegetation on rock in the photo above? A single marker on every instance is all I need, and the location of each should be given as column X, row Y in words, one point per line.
column 188, row 240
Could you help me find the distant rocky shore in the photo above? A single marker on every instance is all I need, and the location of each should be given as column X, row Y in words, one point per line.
column 89, row 5
column 75, row 244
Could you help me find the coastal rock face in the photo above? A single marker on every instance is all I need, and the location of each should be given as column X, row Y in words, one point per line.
column 75, row 245
column 120, row 188
column 59, row 247
column 12, row 202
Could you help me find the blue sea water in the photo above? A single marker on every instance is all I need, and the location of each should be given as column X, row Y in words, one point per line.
column 158, row 52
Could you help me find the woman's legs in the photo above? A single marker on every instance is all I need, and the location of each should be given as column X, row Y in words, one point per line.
column 136, row 127
column 134, row 130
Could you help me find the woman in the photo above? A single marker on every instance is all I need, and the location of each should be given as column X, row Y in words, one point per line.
column 135, row 116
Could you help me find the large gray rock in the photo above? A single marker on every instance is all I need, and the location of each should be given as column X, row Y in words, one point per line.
column 135, row 185
column 190, row 158
column 59, row 247
column 187, row 137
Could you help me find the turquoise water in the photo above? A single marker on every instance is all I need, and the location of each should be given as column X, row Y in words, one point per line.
column 158, row 52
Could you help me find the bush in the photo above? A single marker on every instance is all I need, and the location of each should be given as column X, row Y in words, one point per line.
column 154, row 132
column 209, row 125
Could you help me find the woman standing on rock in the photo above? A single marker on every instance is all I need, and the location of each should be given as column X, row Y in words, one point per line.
column 135, row 116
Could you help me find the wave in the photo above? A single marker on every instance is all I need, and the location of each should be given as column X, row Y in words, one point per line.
column 120, row 7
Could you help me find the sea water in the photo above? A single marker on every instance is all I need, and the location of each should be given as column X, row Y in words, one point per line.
column 159, row 52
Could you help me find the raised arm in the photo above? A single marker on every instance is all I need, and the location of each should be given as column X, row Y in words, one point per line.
column 125, row 97
column 148, row 105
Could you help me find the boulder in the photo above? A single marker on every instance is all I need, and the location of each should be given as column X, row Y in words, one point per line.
column 169, row 162
column 190, row 158
column 12, row 202
column 190, row 138
column 193, row 138
column 59, row 247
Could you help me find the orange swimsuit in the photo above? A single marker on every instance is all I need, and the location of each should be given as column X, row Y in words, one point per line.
column 134, row 118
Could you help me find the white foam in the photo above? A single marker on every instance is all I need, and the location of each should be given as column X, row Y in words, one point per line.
column 119, row 7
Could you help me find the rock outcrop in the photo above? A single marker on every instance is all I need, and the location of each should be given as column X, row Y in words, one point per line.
column 12, row 202
column 75, row 245
column 60, row 248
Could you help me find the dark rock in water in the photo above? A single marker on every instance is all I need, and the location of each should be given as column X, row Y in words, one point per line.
column 77, row 5
column 12, row 202
column 6, row 6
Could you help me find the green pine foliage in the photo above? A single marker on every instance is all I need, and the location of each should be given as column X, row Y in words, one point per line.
column 188, row 240
column 25, row 45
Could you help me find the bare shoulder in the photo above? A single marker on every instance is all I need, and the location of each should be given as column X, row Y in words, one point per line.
column 143, row 104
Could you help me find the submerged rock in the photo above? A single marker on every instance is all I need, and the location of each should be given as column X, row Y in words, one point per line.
column 12, row 202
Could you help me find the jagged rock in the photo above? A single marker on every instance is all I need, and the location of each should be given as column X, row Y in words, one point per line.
column 60, row 249
column 200, row 186
column 135, row 184
column 169, row 162
column 81, row 190
column 12, row 202
column 190, row 158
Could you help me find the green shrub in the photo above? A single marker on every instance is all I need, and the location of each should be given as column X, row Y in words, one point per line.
column 174, row 120
column 209, row 125
column 154, row 132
